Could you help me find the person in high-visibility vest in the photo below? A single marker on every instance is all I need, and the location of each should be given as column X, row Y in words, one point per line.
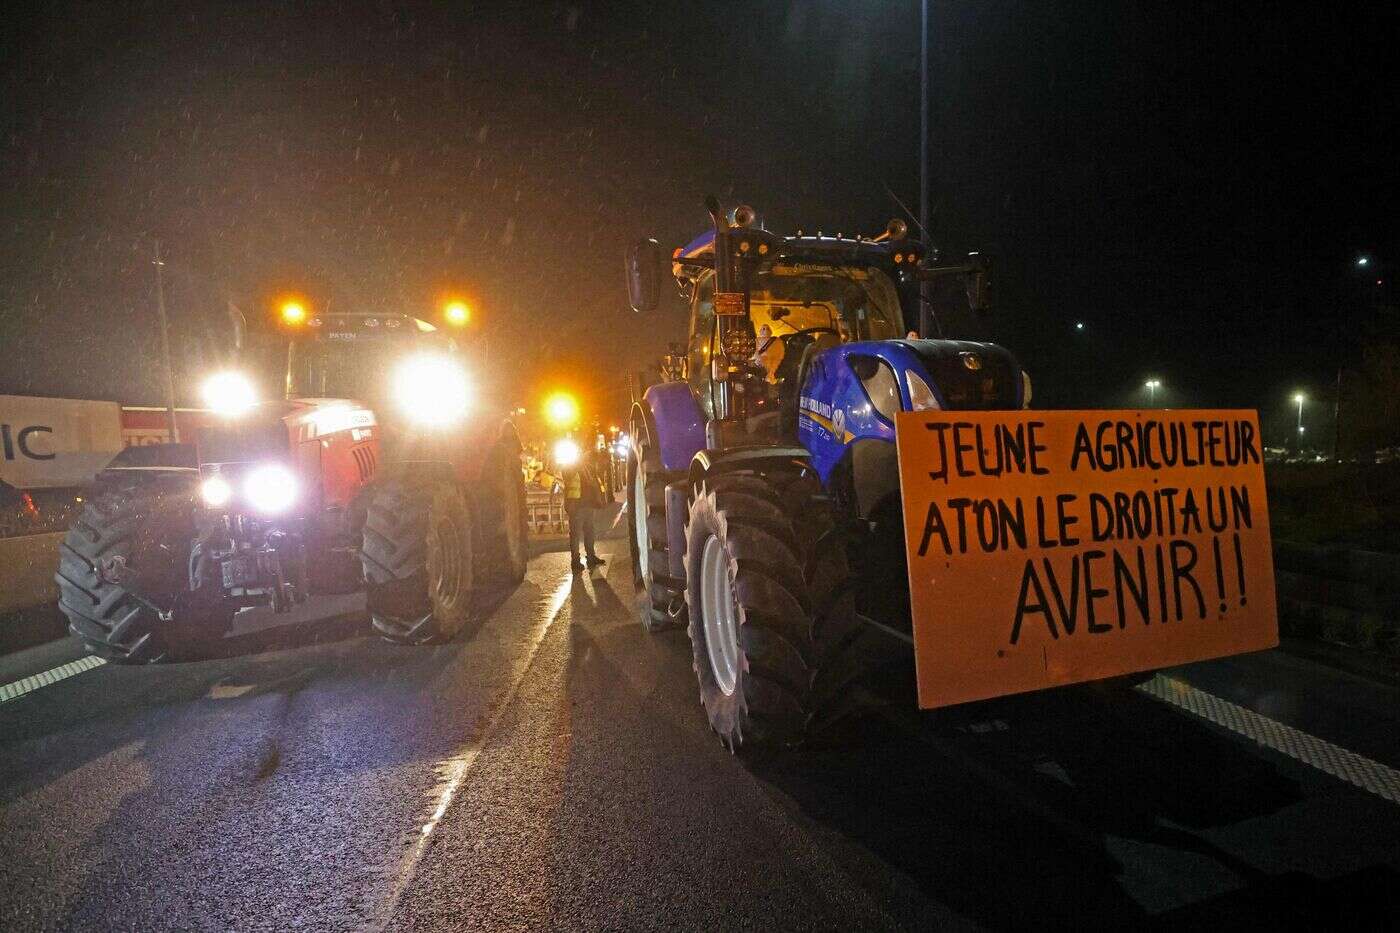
column 583, row 496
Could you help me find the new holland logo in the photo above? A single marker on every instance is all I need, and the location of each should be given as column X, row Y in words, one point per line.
column 971, row 360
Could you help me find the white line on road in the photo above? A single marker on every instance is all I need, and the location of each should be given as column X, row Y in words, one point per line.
column 455, row 769
column 52, row 676
column 1371, row 776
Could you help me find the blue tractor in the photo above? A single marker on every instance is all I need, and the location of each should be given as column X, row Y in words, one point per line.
column 763, row 486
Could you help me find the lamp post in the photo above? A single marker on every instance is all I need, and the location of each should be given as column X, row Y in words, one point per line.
column 1151, row 386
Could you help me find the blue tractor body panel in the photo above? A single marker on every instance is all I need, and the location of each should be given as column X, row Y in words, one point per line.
column 835, row 412
column 679, row 423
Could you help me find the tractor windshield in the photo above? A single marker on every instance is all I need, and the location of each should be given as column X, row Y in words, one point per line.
column 359, row 369
column 858, row 302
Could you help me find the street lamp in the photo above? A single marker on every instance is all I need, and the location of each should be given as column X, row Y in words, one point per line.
column 1151, row 386
column 1300, row 398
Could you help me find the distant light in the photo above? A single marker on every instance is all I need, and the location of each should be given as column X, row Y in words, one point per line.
column 1078, row 325
column 567, row 452
column 1152, row 384
column 561, row 410
column 1300, row 398
column 457, row 313
column 1363, row 261
column 293, row 312
column 1301, row 429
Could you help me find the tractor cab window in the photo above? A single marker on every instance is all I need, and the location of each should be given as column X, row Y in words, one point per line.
column 702, row 331
column 360, row 368
column 850, row 302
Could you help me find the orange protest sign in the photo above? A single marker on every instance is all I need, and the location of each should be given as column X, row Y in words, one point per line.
column 1053, row 547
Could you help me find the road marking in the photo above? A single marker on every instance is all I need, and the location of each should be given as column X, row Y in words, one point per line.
column 454, row 770
column 46, row 678
column 1371, row 776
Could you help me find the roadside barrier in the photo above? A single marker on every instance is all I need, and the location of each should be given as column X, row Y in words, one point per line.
column 544, row 513
column 1342, row 594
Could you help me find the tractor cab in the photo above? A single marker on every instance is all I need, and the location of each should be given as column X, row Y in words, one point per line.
column 403, row 368
column 757, row 348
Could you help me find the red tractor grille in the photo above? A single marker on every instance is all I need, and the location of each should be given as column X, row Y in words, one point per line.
column 364, row 461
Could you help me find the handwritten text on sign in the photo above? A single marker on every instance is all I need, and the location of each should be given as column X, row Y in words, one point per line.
column 1048, row 548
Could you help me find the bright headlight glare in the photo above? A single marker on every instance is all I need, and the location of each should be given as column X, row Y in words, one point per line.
column 921, row 397
column 566, row 452
column 270, row 489
column 432, row 390
column 216, row 492
column 229, row 393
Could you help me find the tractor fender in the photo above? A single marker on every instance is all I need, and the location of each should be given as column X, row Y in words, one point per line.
column 674, row 422
column 711, row 462
column 872, row 466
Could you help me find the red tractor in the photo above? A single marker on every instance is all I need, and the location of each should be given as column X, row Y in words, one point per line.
column 386, row 467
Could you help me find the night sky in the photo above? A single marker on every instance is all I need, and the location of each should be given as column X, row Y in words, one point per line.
column 1191, row 181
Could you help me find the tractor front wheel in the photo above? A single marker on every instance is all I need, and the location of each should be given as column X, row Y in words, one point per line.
column 418, row 561
column 130, row 547
column 766, row 590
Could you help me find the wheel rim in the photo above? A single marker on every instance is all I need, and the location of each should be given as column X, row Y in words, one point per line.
column 718, row 610
column 445, row 560
column 639, row 521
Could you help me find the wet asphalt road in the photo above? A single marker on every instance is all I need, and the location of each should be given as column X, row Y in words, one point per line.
column 553, row 769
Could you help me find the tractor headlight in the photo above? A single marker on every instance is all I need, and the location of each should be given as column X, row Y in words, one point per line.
column 432, row 390
column 270, row 488
column 229, row 393
column 880, row 385
column 921, row 397
column 216, row 492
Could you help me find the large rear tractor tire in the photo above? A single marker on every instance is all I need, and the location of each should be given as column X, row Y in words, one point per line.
column 767, row 593
column 505, row 546
column 646, row 509
column 418, row 561
column 137, row 536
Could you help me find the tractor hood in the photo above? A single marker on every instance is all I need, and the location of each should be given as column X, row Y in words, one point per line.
column 968, row 375
column 260, row 433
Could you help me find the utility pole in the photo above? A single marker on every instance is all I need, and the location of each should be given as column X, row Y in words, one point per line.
column 1337, row 421
column 165, row 346
column 925, row 317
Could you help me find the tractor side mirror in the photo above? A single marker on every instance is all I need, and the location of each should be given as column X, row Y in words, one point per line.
column 979, row 284
column 976, row 276
column 644, row 264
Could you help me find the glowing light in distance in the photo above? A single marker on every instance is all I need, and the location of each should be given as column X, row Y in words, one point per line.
column 567, row 452
column 229, row 393
column 432, row 390
column 215, row 491
column 293, row 312
column 457, row 313
column 270, row 488
column 1300, row 398
column 561, row 410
